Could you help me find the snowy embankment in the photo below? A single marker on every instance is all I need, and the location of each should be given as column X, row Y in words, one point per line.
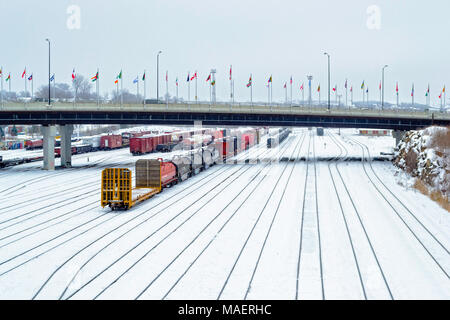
column 425, row 157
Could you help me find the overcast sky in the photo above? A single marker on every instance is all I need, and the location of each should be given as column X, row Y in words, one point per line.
column 262, row 37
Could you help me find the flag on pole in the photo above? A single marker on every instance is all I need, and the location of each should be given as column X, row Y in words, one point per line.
column 213, row 82
column 249, row 84
column 52, row 77
column 367, row 90
column 284, row 87
column 1, row 73
column 24, row 72
column 396, row 87
column 30, row 77
column 270, row 79
column 380, row 86
column 209, row 77
column 8, row 78
column 291, row 80
column 351, row 89
column 345, row 86
column 412, row 91
column 318, row 88
column 443, row 90
column 301, row 87
column 230, row 71
column 188, row 77
column 136, row 80
column 143, row 77
column 428, row 91
column 362, row 85
column 334, row 89
column 167, row 76
column 95, row 78
column 73, row 74
column 116, row 81
column 176, row 82
column 194, row 76
column 119, row 76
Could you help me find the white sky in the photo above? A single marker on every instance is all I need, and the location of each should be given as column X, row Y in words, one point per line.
column 283, row 38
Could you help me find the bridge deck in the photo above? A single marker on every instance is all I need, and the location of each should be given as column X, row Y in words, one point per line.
column 219, row 114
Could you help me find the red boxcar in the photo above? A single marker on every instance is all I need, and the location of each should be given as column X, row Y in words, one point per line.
column 142, row 145
column 112, row 141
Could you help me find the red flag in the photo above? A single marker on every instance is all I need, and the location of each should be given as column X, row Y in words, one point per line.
column 209, row 77
column 380, row 85
column 351, row 89
column 194, row 76
column 284, row 85
column 301, row 87
column 396, row 88
column 291, row 80
column 230, row 71
column 24, row 72
column 167, row 77
column 334, row 89
column 73, row 74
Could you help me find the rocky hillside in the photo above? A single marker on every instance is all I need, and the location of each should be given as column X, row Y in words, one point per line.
column 425, row 155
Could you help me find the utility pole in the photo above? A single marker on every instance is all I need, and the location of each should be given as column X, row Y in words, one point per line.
column 328, row 79
column 382, row 87
column 157, row 76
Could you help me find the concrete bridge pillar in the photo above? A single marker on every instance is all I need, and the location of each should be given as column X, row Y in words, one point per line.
column 398, row 136
column 66, row 145
column 49, row 133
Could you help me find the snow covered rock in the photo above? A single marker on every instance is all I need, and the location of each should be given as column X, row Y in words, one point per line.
column 425, row 154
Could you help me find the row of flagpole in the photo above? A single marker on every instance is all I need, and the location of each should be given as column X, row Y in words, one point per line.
column 364, row 88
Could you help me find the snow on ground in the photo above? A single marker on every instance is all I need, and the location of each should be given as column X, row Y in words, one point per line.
column 256, row 231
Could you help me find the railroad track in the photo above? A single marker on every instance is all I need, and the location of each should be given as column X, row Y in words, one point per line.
column 71, row 238
column 136, row 246
column 313, row 190
column 80, row 251
column 350, row 239
column 92, row 205
column 216, row 234
column 251, row 233
column 361, row 223
column 438, row 244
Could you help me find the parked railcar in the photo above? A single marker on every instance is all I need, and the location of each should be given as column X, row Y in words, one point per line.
column 109, row 142
column 183, row 165
column 210, row 156
column 34, row 144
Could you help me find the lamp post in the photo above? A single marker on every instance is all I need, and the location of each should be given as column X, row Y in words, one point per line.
column 49, row 99
column 157, row 76
column 382, row 89
column 328, row 79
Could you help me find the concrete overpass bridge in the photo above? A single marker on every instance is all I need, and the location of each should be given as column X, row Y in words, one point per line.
column 65, row 115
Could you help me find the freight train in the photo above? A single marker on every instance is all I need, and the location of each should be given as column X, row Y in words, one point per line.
column 152, row 176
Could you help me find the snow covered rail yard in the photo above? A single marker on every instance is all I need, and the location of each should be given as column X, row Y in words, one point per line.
column 304, row 220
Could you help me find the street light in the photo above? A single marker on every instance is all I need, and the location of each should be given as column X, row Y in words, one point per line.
column 328, row 79
column 157, row 76
column 382, row 91
column 49, row 101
